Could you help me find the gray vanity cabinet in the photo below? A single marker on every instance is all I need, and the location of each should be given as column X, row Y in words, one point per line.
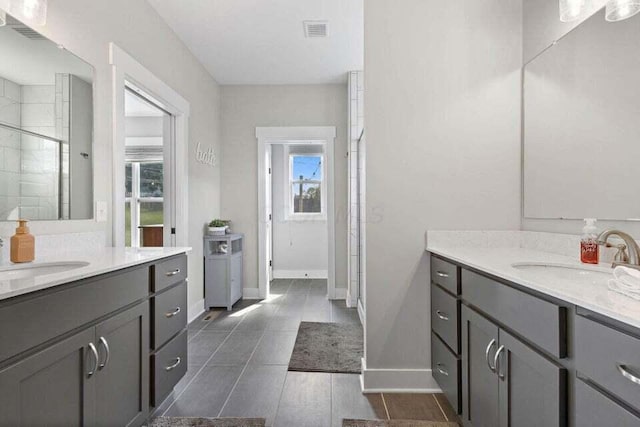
column 122, row 391
column 480, row 388
column 505, row 382
column 51, row 387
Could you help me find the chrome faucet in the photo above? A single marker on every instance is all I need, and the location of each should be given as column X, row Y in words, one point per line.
column 630, row 259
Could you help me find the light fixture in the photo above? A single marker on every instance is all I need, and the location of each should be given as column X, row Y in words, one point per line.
column 618, row 10
column 570, row 10
column 32, row 12
column 3, row 18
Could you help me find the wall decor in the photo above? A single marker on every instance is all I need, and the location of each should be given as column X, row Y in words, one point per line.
column 206, row 157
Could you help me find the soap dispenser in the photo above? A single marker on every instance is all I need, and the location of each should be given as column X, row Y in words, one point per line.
column 23, row 244
column 589, row 250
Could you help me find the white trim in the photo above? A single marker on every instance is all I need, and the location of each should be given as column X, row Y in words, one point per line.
column 397, row 381
column 126, row 69
column 361, row 312
column 300, row 274
column 251, row 293
column 296, row 135
column 195, row 310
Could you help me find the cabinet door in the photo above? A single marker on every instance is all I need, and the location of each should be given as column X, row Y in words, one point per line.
column 122, row 381
column 236, row 279
column 51, row 387
column 480, row 399
column 532, row 387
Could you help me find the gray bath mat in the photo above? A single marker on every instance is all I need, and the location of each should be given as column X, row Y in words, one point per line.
column 328, row 347
column 395, row 423
column 207, row 422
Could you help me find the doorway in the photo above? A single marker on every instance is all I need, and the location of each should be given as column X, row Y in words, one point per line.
column 296, row 205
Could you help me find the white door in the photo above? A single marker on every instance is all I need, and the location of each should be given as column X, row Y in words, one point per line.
column 269, row 213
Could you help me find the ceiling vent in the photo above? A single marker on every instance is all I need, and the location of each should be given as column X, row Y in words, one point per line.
column 23, row 30
column 316, row 29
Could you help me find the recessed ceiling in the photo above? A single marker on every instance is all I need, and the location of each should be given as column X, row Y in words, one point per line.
column 264, row 42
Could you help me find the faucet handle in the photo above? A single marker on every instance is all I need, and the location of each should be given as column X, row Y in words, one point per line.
column 621, row 256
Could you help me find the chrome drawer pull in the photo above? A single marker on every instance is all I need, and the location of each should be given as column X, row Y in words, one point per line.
column 440, row 368
column 172, row 313
column 107, row 353
column 627, row 374
column 486, row 355
column 172, row 273
column 441, row 315
column 442, row 274
column 94, row 354
column 175, row 365
column 496, row 359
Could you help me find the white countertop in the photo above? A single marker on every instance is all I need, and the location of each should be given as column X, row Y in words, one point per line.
column 592, row 296
column 100, row 262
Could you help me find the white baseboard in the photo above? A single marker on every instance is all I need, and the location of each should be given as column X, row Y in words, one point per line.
column 397, row 381
column 300, row 274
column 251, row 293
column 195, row 310
column 340, row 293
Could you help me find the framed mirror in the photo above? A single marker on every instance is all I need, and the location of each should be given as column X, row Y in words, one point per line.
column 46, row 128
column 582, row 124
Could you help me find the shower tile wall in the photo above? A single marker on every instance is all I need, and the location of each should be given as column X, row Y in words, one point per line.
column 39, row 185
column 356, row 182
column 9, row 149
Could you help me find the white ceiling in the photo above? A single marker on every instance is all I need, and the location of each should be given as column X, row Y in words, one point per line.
column 263, row 42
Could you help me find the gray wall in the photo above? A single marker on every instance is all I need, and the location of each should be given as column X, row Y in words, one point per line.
column 246, row 107
column 136, row 27
column 443, row 150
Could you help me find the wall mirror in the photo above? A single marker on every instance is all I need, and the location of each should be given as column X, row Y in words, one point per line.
column 581, row 131
column 46, row 128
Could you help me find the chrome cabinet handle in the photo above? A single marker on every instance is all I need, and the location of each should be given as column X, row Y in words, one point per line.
column 172, row 313
column 441, row 315
column 442, row 274
column 627, row 374
column 94, row 354
column 172, row 273
column 107, row 353
column 496, row 359
column 486, row 355
column 441, row 368
column 175, row 365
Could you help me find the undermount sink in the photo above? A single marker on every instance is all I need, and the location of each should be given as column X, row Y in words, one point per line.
column 26, row 271
column 549, row 271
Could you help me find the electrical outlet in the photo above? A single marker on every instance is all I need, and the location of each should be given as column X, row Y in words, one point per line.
column 101, row 211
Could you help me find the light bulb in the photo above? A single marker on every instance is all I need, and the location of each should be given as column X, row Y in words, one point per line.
column 618, row 10
column 570, row 10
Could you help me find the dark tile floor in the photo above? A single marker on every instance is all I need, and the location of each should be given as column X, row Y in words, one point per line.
column 238, row 365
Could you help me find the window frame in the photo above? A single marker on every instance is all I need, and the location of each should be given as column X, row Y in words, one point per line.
column 290, row 181
column 135, row 200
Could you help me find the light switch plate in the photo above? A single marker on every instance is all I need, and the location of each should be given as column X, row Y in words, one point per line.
column 101, row 211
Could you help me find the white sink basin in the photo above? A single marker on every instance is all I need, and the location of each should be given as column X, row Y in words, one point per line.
column 27, row 271
column 565, row 272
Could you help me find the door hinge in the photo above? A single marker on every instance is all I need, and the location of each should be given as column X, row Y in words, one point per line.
column 270, row 263
column 173, row 230
column 269, row 171
column 269, row 217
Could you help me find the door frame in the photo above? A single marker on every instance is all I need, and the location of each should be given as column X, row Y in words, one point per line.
column 126, row 71
column 267, row 136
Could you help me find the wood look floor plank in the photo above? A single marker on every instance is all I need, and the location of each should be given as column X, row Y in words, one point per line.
column 447, row 409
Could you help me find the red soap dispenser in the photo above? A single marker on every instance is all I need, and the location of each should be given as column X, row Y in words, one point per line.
column 589, row 249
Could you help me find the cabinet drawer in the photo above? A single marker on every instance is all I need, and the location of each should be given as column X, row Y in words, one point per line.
column 33, row 319
column 445, row 310
column 169, row 272
column 445, row 368
column 609, row 358
column 543, row 323
column 168, row 365
column 594, row 409
column 445, row 274
column 169, row 311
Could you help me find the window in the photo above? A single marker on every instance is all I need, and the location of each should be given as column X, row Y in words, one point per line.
column 144, row 193
column 306, row 186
